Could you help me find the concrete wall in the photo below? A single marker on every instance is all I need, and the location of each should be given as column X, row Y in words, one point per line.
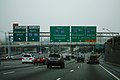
column 112, row 54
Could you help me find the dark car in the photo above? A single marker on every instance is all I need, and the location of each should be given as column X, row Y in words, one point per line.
column 93, row 60
column 67, row 57
column 55, row 60
column 80, row 58
column 39, row 59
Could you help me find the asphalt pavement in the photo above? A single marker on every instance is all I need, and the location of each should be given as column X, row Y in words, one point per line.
column 72, row 71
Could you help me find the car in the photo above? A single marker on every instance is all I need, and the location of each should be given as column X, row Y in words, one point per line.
column 67, row 57
column 72, row 55
column 39, row 59
column 93, row 60
column 80, row 58
column 55, row 59
column 27, row 58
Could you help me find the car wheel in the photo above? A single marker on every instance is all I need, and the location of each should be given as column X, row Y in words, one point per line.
column 34, row 63
column 97, row 62
column 48, row 66
column 37, row 63
column 83, row 61
column 62, row 66
column 22, row 62
column 43, row 63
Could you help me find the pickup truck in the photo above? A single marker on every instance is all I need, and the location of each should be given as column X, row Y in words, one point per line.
column 93, row 59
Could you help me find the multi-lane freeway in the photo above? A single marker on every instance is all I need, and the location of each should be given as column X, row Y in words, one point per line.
column 15, row 70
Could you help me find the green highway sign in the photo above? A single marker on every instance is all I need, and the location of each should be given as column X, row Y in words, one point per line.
column 19, row 33
column 77, row 34
column 83, row 33
column 90, row 33
column 33, row 33
column 59, row 33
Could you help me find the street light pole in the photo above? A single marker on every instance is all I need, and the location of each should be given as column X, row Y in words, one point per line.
column 5, row 41
column 111, row 33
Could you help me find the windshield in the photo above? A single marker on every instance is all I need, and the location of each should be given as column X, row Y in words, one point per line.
column 54, row 55
column 26, row 55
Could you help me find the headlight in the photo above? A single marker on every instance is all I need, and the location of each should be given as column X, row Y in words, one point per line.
column 59, row 58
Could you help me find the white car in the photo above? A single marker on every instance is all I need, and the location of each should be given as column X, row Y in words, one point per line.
column 27, row 58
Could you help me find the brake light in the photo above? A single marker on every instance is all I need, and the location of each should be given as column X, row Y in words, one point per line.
column 30, row 58
column 41, row 59
column 35, row 59
column 22, row 59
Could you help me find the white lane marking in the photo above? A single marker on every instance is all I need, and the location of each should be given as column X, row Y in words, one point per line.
column 36, row 67
column 58, row 79
column 9, row 72
column 7, row 66
column 71, row 70
column 78, row 67
column 109, row 72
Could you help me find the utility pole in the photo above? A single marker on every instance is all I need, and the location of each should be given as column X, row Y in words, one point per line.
column 5, row 41
column 9, row 51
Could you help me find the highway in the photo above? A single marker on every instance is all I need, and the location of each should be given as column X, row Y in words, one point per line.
column 72, row 71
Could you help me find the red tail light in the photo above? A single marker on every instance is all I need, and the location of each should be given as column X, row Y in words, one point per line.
column 41, row 59
column 22, row 59
column 30, row 58
column 35, row 60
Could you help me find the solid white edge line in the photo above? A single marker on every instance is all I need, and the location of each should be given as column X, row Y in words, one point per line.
column 58, row 79
column 9, row 72
column 109, row 72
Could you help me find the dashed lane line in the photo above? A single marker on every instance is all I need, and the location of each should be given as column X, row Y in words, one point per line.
column 71, row 70
column 58, row 79
column 11, row 72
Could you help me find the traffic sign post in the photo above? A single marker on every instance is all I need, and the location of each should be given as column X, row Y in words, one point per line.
column 59, row 33
column 19, row 33
column 33, row 33
column 83, row 33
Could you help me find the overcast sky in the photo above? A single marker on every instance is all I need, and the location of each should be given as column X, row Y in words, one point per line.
column 102, row 13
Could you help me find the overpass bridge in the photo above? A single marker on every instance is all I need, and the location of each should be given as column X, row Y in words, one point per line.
column 99, row 34
column 101, row 39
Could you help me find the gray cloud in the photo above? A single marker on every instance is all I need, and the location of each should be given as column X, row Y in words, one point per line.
column 102, row 13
